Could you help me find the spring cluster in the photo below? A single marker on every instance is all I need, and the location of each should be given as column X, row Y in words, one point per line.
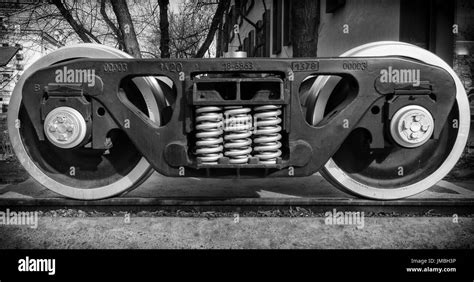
column 238, row 133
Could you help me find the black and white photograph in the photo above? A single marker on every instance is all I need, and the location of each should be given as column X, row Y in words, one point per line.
column 237, row 140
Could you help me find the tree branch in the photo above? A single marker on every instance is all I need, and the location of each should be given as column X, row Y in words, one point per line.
column 92, row 36
column 78, row 28
column 221, row 8
column 112, row 26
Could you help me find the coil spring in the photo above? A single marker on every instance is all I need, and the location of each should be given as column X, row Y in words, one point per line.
column 237, row 141
column 209, row 123
column 267, row 134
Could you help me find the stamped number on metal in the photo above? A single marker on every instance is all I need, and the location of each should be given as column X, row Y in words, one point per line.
column 238, row 66
column 171, row 67
column 115, row 67
column 305, row 66
column 354, row 65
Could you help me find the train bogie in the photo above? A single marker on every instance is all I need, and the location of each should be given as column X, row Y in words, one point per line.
column 386, row 120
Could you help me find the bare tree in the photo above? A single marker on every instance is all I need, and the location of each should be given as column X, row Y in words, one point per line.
column 113, row 27
column 124, row 19
column 123, row 29
column 221, row 8
column 130, row 25
column 191, row 28
column 84, row 34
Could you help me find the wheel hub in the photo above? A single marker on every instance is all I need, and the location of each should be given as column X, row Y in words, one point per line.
column 412, row 126
column 65, row 127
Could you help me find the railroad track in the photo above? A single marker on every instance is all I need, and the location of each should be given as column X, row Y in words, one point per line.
column 311, row 193
column 428, row 207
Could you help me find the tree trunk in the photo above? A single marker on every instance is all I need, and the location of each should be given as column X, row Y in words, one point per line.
column 112, row 26
column 221, row 9
column 126, row 27
column 304, row 30
column 164, row 29
column 219, row 42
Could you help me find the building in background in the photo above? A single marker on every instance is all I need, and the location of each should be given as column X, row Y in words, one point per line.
column 265, row 26
column 33, row 43
column 9, row 73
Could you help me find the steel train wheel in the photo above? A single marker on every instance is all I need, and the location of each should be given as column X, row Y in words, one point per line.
column 375, row 174
column 97, row 174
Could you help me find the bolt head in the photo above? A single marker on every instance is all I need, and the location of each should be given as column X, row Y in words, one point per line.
column 415, row 127
column 414, row 135
column 62, row 137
